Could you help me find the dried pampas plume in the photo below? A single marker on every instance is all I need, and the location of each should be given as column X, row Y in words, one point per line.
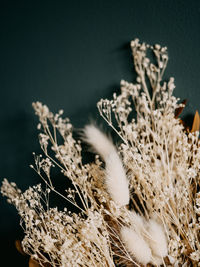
column 138, row 203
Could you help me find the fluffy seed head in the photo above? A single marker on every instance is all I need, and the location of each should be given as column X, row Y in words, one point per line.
column 136, row 245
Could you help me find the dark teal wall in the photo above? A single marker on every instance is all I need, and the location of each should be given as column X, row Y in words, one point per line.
column 69, row 54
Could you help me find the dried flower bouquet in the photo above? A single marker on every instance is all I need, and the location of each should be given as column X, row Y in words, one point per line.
column 138, row 203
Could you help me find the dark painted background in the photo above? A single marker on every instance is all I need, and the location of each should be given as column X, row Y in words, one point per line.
column 69, row 54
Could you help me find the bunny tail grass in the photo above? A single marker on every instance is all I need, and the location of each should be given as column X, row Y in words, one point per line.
column 136, row 245
column 157, row 241
column 115, row 180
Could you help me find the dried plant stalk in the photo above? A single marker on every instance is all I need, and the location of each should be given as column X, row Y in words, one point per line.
column 142, row 206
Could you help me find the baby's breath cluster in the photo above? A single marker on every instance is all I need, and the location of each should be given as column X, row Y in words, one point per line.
column 138, row 203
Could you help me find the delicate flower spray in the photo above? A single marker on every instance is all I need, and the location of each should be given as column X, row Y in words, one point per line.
column 138, row 203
